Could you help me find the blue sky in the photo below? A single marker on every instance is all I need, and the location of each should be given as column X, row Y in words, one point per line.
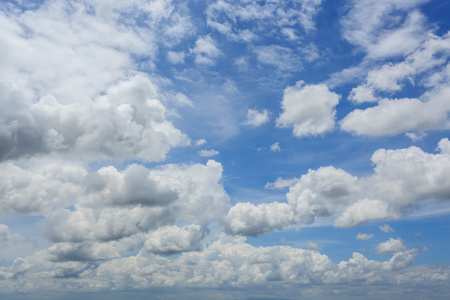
column 229, row 149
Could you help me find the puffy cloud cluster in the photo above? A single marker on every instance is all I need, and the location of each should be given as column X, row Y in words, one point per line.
column 391, row 246
column 364, row 236
column 66, row 86
column 113, row 211
column 256, row 118
column 127, row 122
column 309, row 109
column 390, row 192
column 385, row 28
column 394, row 116
column 397, row 30
column 264, row 17
column 206, row 51
column 251, row 21
column 432, row 55
column 224, row 263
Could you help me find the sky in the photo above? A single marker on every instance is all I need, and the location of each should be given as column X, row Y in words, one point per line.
column 165, row 149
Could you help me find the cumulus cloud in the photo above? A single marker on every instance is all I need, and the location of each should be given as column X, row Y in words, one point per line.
column 395, row 116
column 206, row 51
column 386, row 228
column 208, row 153
column 391, row 192
column 277, row 56
column 175, row 57
column 430, row 57
column 314, row 246
column 385, row 28
column 364, row 236
column 309, row 109
column 74, row 89
column 256, row 118
column 128, row 121
column 112, row 209
column 173, row 239
column 249, row 219
column 7, row 235
column 224, row 263
column 275, row 147
column 391, row 246
column 201, row 142
column 261, row 18
column 281, row 183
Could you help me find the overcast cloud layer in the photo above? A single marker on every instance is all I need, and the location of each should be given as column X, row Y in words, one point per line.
column 233, row 149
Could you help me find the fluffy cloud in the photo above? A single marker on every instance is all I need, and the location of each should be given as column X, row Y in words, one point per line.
column 394, row 116
column 309, row 109
column 208, row 153
column 249, row 219
column 73, row 89
column 386, row 228
column 385, row 28
column 426, row 67
column 111, row 210
column 256, row 118
column 277, row 56
column 391, row 192
column 275, row 147
column 69, row 45
column 391, row 246
column 128, row 121
column 173, row 239
column 364, row 236
column 430, row 57
column 224, row 263
column 261, row 18
column 206, row 51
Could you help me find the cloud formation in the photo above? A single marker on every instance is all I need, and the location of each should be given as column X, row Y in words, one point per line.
column 256, row 118
column 226, row 263
column 309, row 109
column 330, row 192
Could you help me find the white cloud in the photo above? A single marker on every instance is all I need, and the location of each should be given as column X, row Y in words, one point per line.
column 364, row 236
column 206, row 51
column 200, row 142
column 175, row 57
column 314, row 246
column 275, row 147
column 309, row 109
column 227, row 263
column 391, row 246
column 416, row 136
column 262, row 18
column 249, row 219
column 110, row 205
column 65, row 77
column 386, row 228
column 391, row 192
column 256, row 118
column 430, row 58
column 173, row 239
column 208, row 153
column 281, row 183
column 395, row 116
column 363, row 211
column 385, row 28
column 282, row 58
column 128, row 121
column 7, row 235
